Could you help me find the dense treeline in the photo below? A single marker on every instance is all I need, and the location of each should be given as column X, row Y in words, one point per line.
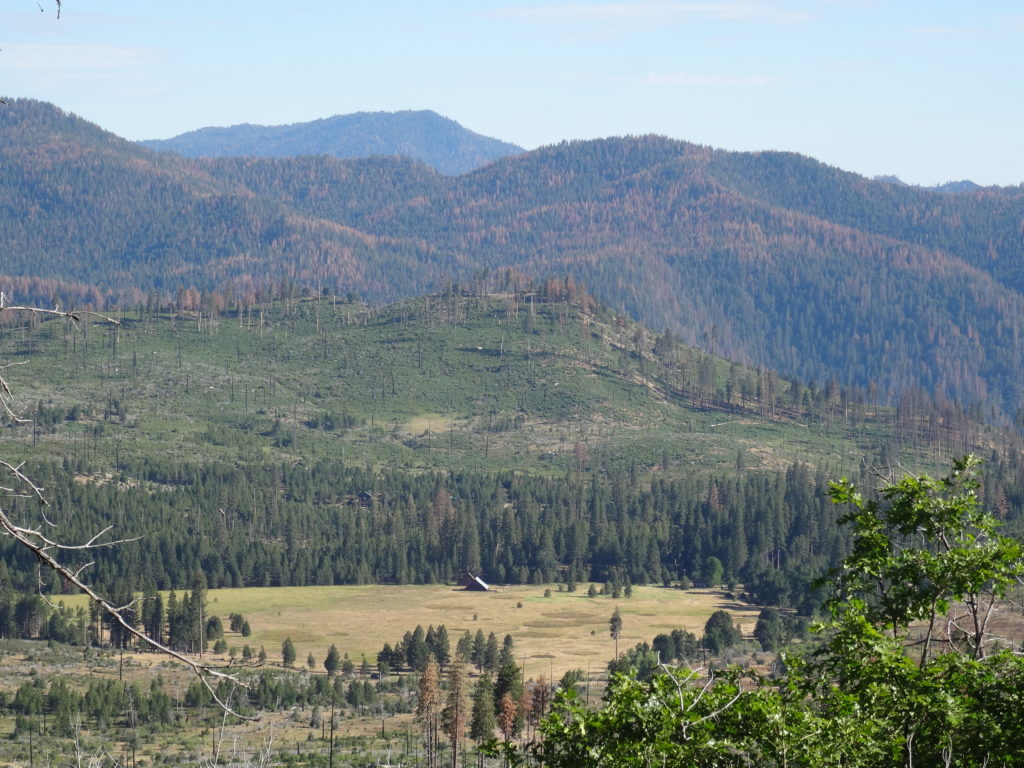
column 335, row 524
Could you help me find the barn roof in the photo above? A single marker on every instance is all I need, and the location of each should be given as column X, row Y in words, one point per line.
column 473, row 582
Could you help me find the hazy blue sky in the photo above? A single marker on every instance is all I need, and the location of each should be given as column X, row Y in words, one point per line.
column 929, row 90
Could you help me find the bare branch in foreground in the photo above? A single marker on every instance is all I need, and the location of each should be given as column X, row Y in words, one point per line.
column 44, row 548
column 680, row 681
column 42, row 552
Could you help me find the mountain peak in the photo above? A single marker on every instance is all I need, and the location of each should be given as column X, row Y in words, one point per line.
column 951, row 187
column 965, row 185
column 423, row 135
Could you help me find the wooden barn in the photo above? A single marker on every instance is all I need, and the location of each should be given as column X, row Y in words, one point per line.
column 472, row 582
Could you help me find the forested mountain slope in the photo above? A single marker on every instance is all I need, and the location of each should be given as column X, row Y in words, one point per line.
column 657, row 226
column 981, row 226
column 421, row 135
column 101, row 219
column 772, row 259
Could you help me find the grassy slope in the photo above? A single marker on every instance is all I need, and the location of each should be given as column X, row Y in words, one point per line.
column 459, row 383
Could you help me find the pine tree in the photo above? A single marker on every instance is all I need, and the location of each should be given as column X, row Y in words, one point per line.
column 491, row 653
column 509, row 682
column 507, row 653
column 416, row 649
column 288, row 652
column 197, row 613
column 479, row 650
column 508, row 715
column 464, row 648
column 615, row 628
column 442, row 646
column 483, row 723
column 428, row 709
column 455, row 714
column 332, row 662
column 153, row 614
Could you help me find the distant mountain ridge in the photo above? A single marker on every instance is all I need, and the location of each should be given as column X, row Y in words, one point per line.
column 771, row 259
column 422, row 135
column 953, row 187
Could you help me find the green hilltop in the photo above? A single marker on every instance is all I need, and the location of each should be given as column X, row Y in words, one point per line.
column 537, row 381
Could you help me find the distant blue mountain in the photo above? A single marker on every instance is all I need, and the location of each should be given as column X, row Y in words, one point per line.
column 952, row 187
column 423, row 135
column 958, row 186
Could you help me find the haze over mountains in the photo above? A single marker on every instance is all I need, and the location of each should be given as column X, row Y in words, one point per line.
column 421, row 135
column 953, row 187
column 768, row 258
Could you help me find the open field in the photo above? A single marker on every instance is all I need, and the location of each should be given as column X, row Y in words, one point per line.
column 565, row 631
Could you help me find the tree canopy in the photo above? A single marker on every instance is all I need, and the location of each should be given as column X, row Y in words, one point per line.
column 909, row 670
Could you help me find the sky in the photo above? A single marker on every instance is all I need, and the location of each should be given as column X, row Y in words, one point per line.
column 930, row 91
